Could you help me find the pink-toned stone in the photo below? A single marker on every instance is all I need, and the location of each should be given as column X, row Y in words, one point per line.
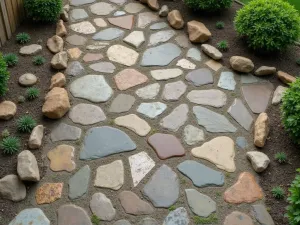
column 125, row 22
column 129, row 78
column 61, row 158
column 48, row 192
column 238, row 218
column 90, row 57
column 245, row 190
column 74, row 53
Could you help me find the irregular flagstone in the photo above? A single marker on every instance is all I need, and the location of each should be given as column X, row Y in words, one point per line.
column 103, row 67
column 104, row 141
column 160, row 55
column 238, row 218
column 195, row 54
column 62, row 158
column 122, row 222
column 257, row 96
column 74, row 53
column 119, row 13
column 186, row 64
column 219, row 151
column 227, row 81
column 134, row 123
column 79, row 182
column 178, row 216
column 125, row 22
column 118, row 2
column 176, row 118
column 163, row 187
column 100, row 22
column 200, row 204
column 48, row 192
column 76, row 40
column 214, row 65
column 91, row 87
column 102, row 8
column 129, row 78
column 75, row 69
column 278, row 94
column 152, row 109
column 200, row 77
column 135, row 39
column 166, row 145
column 110, row 176
column 144, row 19
column 102, row 207
column 158, row 26
column 122, row 55
column 78, row 15
column 65, row 132
column 262, row 215
column 241, row 142
column 34, row 216
column 182, row 41
column 90, row 57
column 250, row 79
column 133, row 7
column 86, row 114
column 140, row 165
column 72, row 215
column 97, row 45
column 122, row 103
column 148, row 92
column 132, row 204
column 12, row 188
column 173, row 91
column 147, row 221
column 245, row 190
column 193, row 135
column 166, row 74
column 212, row 97
column 84, row 27
column 259, row 160
column 241, row 114
column 81, row 2
column 201, row 175
column 212, row 121
column 108, row 34
column 160, row 37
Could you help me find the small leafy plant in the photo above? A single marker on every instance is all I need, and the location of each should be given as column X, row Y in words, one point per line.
column 5, row 133
column 10, row 145
column 222, row 45
column 208, row 220
column 281, row 157
column 4, row 76
column 32, row 93
column 23, row 38
column 38, row 60
column 293, row 209
column 95, row 220
column 25, row 124
column 220, row 25
column 11, row 59
column 172, row 208
column 278, row 193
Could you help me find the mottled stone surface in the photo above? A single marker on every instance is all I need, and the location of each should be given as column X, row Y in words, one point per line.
column 75, row 69
column 158, row 26
column 76, row 40
column 102, row 8
column 160, row 37
column 122, row 103
column 227, row 81
column 34, row 216
column 123, row 55
column 194, row 54
column 262, row 215
column 72, row 215
column 178, row 216
column 238, row 218
column 166, row 74
column 12, row 188
column 200, row 77
column 79, row 182
column 135, row 39
column 212, row 97
column 65, row 132
column 103, row 67
column 145, row 18
column 259, row 160
column 61, row 158
column 173, row 91
column 149, row 91
column 133, row 7
column 27, row 167
column 201, row 175
column 176, row 118
column 129, row 78
column 86, row 114
column 241, row 114
column 152, row 110
column 78, row 15
column 102, row 207
column 133, row 123
column 27, row 79
column 192, row 135
column 108, row 34
column 84, row 27
column 186, row 64
column 125, row 22
column 278, row 94
column 48, row 192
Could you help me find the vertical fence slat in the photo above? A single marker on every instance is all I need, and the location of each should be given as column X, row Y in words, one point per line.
column 2, row 28
column 21, row 9
column 15, row 11
column 10, row 13
column 6, row 27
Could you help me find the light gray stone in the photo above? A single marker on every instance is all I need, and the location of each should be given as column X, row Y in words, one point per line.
column 27, row 79
column 278, row 94
column 195, row 54
column 123, row 55
column 72, row 214
column 160, row 37
column 166, row 74
column 135, row 39
column 186, row 64
column 122, row 222
column 133, row 7
column 36, row 137
column 152, row 109
column 211, row 51
column 176, row 118
column 81, row 2
column 241, row 114
column 34, row 216
column 259, row 160
column 178, row 216
column 79, row 182
column 262, row 215
column 158, row 26
column 60, row 61
column 108, row 34
column 76, row 40
column 86, row 114
column 163, row 12
column 227, row 81
column 102, row 207
column 65, row 132
column 149, row 91
column 102, row 8
column 182, row 41
column 212, row 97
column 12, row 188
column 30, row 49
column 173, row 91
column 75, row 69
column 144, row 19
column 78, row 15
column 192, row 135
column 28, row 169
column 122, row 103
column 103, row 67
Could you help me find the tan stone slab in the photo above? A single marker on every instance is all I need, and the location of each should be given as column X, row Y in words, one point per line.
column 61, row 158
column 134, row 123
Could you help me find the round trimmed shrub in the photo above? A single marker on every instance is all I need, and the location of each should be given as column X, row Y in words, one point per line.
column 43, row 10
column 208, row 5
column 268, row 25
column 4, row 76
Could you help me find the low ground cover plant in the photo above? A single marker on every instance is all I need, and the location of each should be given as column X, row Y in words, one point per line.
column 208, row 5
column 23, row 38
column 32, row 93
column 25, row 124
column 223, row 45
column 278, row 193
column 10, row 145
column 220, row 25
column 38, row 60
column 11, row 59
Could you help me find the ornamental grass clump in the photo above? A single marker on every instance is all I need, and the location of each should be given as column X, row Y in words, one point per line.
column 11, row 59
column 10, row 145
column 25, row 124
column 23, row 38
column 32, row 93
column 4, row 76
column 38, row 60
column 222, row 45
column 268, row 25
column 208, row 5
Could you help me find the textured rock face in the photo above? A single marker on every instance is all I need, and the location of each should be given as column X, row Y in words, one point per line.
column 56, row 104
column 58, row 80
column 175, row 19
column 164, row 11
column 211, row 51
column 34, row 216
column 278, row 94
column 36, row 137
column 61, row 29
column 61, row 158
column 12, row 188
column 285, row 77
column 265, row 70
column 60, row 61
column 28, row 169
column 55, row 44
column 178, row 216
column 198, row 32
column 7, row 110
column 193, row 135
column 102, row 207
column 241, row 64
column 261, row 130
column 259, row 160
column 48, row 192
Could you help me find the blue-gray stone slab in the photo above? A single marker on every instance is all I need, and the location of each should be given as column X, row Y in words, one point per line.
column 240, row 113
column 177, row 217
column 79, row 182
column 108, row 34
column 158, row 26
column 227, row 81
column 75, row 69
column 160, row 55
column 250, row 79
column 212, row 121
column 200, row 77
column 194, row 53
column 78, row 15
column 241, row 142
column 81, row 2
column 261, row 215
column 33, row 216
column 103, row 141
column 201, row 175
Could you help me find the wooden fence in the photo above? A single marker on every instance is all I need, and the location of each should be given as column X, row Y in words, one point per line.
column 11, row 14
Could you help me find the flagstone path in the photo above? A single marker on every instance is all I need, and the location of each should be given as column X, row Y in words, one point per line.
column 158, row 132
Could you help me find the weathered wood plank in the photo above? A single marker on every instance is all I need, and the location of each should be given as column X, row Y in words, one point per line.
column 15, row 11
column 3, row 36
column 10, row 13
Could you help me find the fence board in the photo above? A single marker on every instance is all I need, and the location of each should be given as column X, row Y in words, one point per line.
column 7, row 28
column 2, row 29
column 15, row 11
column 10, row 13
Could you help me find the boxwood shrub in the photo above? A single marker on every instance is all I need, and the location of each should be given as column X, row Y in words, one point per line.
column 43, row 10
column 208, row 5
column 4, row 76
column 268, row 25
column 293, row 209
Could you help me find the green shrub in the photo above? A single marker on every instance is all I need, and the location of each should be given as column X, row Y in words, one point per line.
column 38, row 60
column 11, row 59
column 290, row 110
column 281, row 157
column 223, row 45
column 268, row 25
column 23, row 38
column 4, row 76
column 32, row 93
column 25, row 124
column 43, row 10
column 10, row 145
column 208, row 5
column 220, row 25
column 278, row 193
column 293, row 209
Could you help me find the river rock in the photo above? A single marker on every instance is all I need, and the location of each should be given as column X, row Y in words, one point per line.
column 259, row 160
column 36, row 137
column 60, row 61
column 153, row 4
column 102, row 207
column 198, row 32
column 30, row 50
column 211, row 51
column 164, row 11
column 7, row 110
column 285, row 77
column 261, row 130
column 12, row 188
column 55, row 44
column 241, row 64
column 28, row 169
column 175, row 19
column 265, row 70
column 27, row 79
column 278, row 94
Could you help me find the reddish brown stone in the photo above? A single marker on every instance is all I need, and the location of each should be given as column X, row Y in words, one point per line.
column 90, row 57
column 166, row 145
column 285, row 77
column 125, row 22
column 244, row 190
column 48, row 192
column 238, row 218
column 129, row 78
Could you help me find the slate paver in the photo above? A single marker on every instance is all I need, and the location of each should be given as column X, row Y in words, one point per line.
column 176, row 118
column 212, row 97
column 125, row 22
column 200, row 77
column 103, row 67
column 241, row 114
column 173, row 91
column 102, row 207
column 133, row 7
column 161, row 37
column 75, row 69
column 129, row 78
column 65, row 132
column 102, row 8
column 123, row 55
column 108, row 34
column 165, row 74
column 158, row 26
column 194, row 54
column 135, row 39
column 192, row 135
column 133, row 123
column 148, row 92
column 178, row 216
column 72, row 214
column 227, row 81
column 122, row 103
column 79, row 182
column 34, row 216
column 152, row 109
column 78, row 15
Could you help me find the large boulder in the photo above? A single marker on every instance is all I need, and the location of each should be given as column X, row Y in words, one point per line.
column 7, row 110
column 36, row 137
column 60, row 61
column 261, row 130
column 285, row 77
column 28, row 169
column 211, row 51
column 198, row 32
column 241, row 64
column 55, row 44
column 259, row 160
column 175, row 19
column 56, row 104
column 61, row 29
column 12, row 188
